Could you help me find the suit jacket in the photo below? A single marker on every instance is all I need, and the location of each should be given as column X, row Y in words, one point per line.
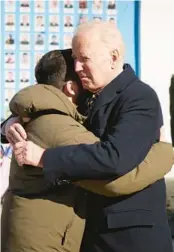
column 127, row 117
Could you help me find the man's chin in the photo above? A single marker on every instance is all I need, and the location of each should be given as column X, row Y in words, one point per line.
column 85, row 84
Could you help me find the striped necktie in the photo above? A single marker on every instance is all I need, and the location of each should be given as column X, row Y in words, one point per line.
column 91, row 101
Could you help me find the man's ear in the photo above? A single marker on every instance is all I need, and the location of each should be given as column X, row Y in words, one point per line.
column 68, row 89
column 115, row 56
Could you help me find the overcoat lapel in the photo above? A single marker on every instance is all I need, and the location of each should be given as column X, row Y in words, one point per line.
column 113, row 89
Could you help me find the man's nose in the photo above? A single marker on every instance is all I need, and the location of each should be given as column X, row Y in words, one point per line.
column 78, row 66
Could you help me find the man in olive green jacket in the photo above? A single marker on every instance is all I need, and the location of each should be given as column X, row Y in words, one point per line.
column 51, row 119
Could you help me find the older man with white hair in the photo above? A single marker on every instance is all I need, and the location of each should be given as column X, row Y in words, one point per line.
column 127, row 117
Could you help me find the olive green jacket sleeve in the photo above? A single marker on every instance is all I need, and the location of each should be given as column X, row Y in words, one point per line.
column 157, row 163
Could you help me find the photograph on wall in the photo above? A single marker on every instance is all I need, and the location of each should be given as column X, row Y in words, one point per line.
column 97, row 6
column 9, row 41
column 10, row 22
column 68, row 40
column 83, row 6
column 9, row 79
column 10, row 60
column 8, row 94
column 39, row 23
column 39, row 41
column 25, row 6
column 24, row 60
column 111, row 7
column 112, row 19
column 68, row 6
column 10, row 6
column 24, row 79
column 68, row 23
column 54, row 41
column 25, row 41
column 25, row 22
column 37, row 57
column 54, row 23
column 53, row 6
column 39, row 6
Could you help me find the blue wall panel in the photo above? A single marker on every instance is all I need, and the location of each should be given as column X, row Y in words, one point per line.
column 31, row 28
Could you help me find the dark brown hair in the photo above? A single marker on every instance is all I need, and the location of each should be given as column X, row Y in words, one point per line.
column 55, row 68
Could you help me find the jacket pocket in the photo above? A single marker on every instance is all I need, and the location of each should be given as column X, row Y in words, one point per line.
column 130, row 218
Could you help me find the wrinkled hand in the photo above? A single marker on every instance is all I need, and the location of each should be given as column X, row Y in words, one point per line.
column 26, row 152
column 14, row 131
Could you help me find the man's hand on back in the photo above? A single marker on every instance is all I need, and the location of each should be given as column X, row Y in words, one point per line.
column 26, row 152
column 14, row 131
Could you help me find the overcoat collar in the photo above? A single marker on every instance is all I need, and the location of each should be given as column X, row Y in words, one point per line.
column 116, row 86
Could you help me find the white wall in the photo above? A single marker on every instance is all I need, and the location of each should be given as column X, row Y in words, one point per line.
column 157, row 61
column 157, row 50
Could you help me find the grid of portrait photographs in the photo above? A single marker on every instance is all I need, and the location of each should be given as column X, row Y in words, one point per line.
column 32, row 28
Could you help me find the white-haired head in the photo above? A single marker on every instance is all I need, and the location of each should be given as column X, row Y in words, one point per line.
column 98, row 49
column 106, row 32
